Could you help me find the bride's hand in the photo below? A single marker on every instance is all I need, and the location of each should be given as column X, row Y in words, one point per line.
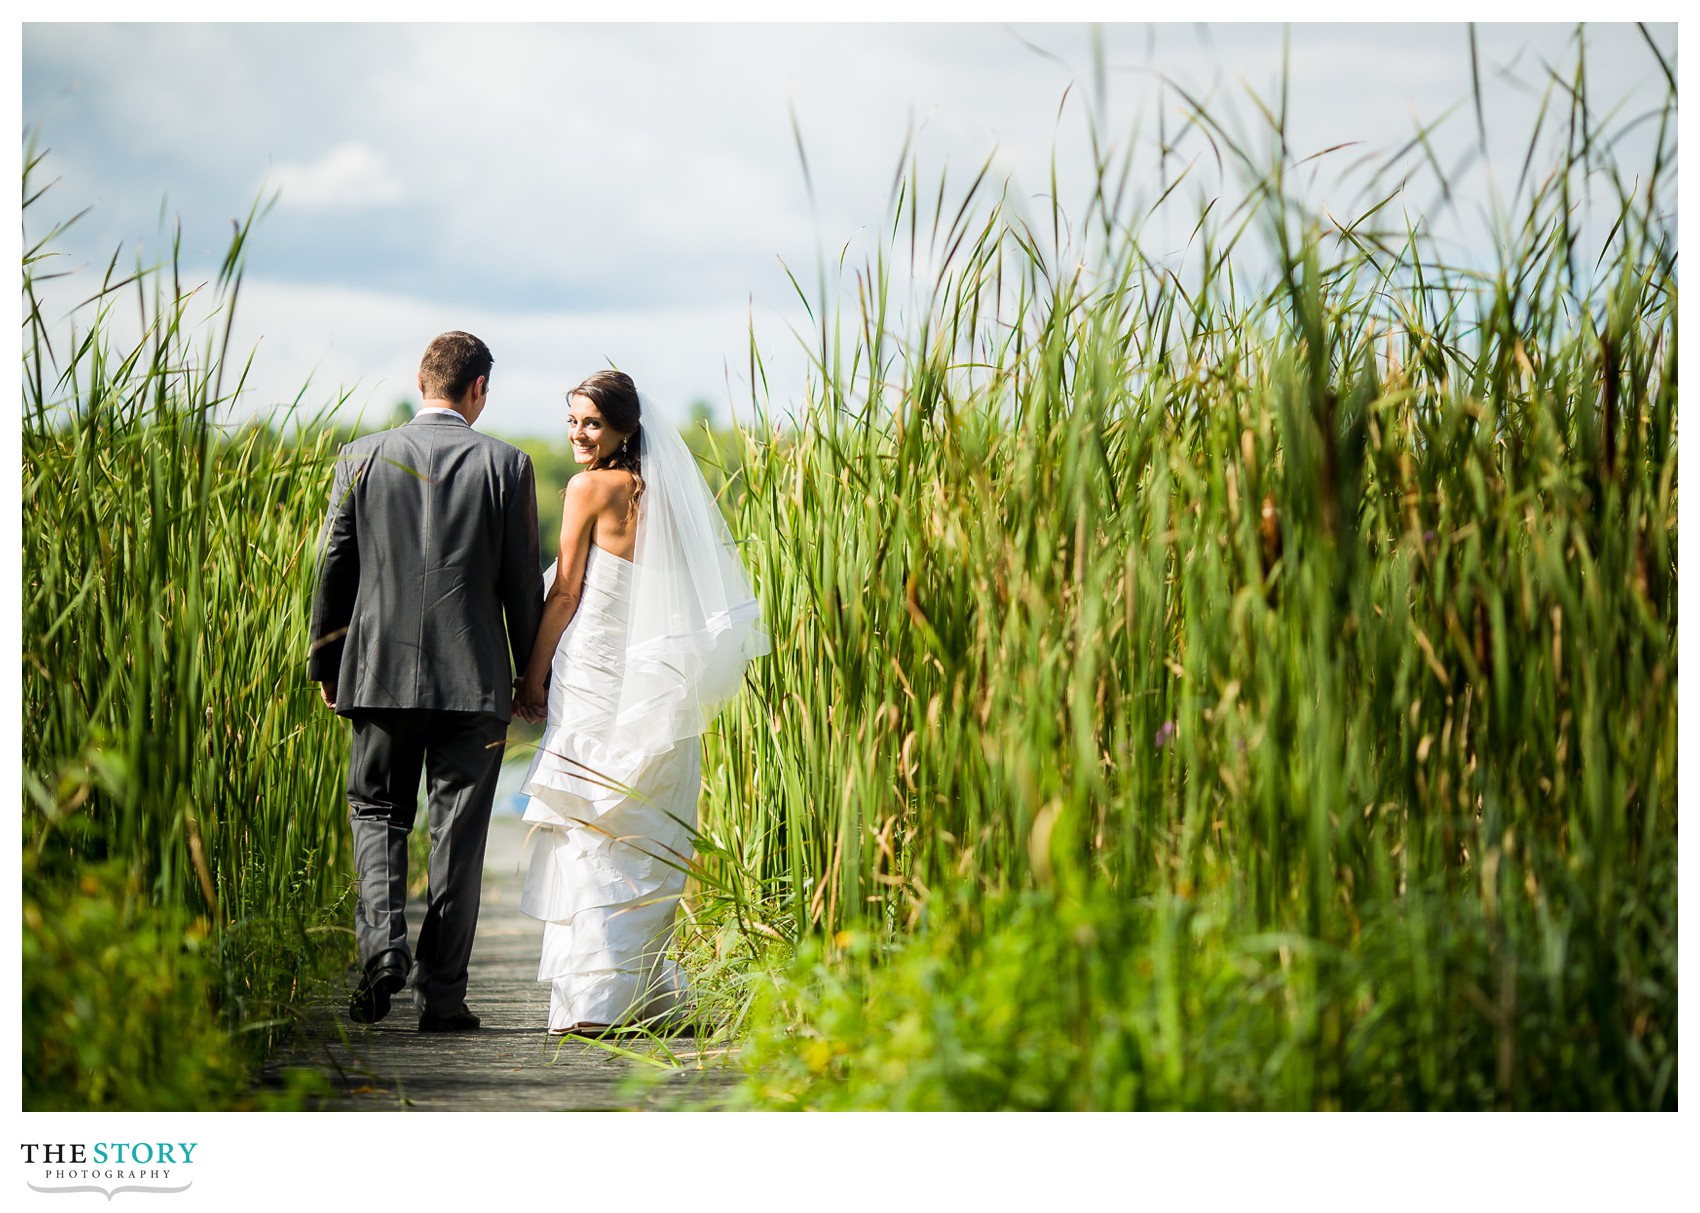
column 532, row 699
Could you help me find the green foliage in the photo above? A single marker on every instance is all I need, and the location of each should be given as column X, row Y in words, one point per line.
column 115, row 1007
column 1192, row 688
column 1189, row 693
column 1090, row 1004
column 177, row 763
column 116, row 1013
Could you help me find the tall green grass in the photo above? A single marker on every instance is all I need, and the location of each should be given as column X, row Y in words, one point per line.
column 1196, row 686
column 184, row 852
column 182, row 800
column 1200, row 688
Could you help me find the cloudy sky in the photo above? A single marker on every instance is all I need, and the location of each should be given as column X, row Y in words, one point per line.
column 581, row 195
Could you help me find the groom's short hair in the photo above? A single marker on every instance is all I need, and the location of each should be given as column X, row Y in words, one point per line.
column 452, row 362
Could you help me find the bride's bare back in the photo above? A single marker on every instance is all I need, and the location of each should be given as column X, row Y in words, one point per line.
column 602, row 498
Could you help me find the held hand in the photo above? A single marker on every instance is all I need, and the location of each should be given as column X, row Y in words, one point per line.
column 327, row 692
column 531, row 700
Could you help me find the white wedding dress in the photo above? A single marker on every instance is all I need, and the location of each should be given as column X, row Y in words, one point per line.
column 657, row 646
column 609, row 858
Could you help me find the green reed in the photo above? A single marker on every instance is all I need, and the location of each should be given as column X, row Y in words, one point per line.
column 181, row 827
column 1194, row 687
column 1207, row 688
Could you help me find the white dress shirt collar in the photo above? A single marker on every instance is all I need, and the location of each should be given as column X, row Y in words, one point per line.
column 443, row 408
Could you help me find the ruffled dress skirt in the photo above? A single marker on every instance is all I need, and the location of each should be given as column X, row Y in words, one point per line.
column 614, row 829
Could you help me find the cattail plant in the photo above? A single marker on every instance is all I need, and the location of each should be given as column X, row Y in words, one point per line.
column 1221, row 689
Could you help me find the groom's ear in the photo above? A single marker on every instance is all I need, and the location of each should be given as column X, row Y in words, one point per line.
column 420, row 380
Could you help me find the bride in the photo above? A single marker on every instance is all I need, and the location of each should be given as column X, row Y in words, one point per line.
column 648, row 623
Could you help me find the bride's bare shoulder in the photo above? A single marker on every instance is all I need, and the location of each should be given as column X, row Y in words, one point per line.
column 600, row 487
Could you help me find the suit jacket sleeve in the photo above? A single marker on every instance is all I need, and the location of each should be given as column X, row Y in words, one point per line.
column 521, row 578
column 339, row 576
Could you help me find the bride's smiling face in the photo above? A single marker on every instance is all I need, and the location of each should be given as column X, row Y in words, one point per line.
column 592, row 437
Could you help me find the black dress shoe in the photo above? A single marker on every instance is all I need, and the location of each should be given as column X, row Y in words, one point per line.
column 386, row 974
column 458, row 1020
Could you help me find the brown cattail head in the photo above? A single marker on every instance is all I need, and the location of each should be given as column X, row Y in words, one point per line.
column 1484, row 636
column 1609, row 389
column 1269, row 527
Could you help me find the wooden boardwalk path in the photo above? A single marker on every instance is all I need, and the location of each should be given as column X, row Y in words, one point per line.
column 511, row 1063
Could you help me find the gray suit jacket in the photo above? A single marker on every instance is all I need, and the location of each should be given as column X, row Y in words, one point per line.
column 430, row 541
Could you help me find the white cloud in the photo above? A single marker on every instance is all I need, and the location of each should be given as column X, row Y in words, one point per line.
column 350, row 176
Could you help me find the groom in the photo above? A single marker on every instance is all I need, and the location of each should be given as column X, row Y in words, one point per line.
column 430, row 546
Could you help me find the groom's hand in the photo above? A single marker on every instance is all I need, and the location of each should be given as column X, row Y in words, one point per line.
column 327, row 692
column 526, row 706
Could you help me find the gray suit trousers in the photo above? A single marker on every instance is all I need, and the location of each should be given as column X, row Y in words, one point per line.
column 460, row 757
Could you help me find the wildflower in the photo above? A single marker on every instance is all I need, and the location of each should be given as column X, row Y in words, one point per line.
column 1165, row 733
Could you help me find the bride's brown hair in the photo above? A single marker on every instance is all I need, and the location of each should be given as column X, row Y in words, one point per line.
column 615, row 397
